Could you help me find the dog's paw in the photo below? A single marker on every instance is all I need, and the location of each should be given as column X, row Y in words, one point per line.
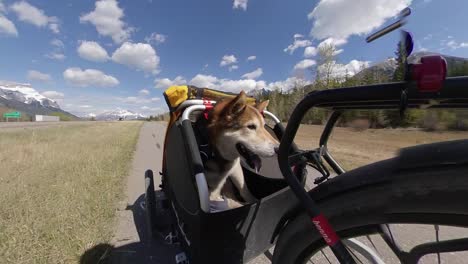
column 232, row 204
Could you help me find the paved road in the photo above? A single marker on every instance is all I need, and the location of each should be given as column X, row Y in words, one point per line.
column 132, row 245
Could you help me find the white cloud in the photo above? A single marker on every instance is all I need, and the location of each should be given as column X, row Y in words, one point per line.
column 240, row 4
column 298, row 43
column 34, row 75
column 165, row 83
column 455, row 45
column 85, row 106
column 35, row 16
column 54, row 27
column 332, row 42
column 342, row 70
column 228, row 60
column 253, row 75
column 53, row 95
column 7, row 27
column 134, row 100
column 156, row 38
column 298, row 36
column 251, row 58
column 310, row 52
column 92, row 51
column 233, row 67
column 287, row 84
column 202, row 80
column 2, row 7
column 89, row 77
column 343, row 18
column 140, row 56
column 209, row 81
column 155, row 99
column 57, row 43
column 304, row 64
column 56, row 56
column 107, row 18
column 143, row 92
column 428, row 37
column 57, row 53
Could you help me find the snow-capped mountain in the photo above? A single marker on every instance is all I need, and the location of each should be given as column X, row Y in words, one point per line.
column 24, row 98
column 120, row 113
column 23, row 92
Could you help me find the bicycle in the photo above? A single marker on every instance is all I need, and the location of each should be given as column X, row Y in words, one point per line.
column 425, row 184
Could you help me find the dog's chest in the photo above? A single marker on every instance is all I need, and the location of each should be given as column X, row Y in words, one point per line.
column 217, row 172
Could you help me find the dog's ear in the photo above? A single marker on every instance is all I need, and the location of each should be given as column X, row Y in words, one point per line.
column 262, row 105
column 237, row 105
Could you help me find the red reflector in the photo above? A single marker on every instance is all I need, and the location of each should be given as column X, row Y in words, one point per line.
column 430, row 73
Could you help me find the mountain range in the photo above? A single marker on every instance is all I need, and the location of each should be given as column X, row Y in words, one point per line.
column 24, row 98
column 119, row 113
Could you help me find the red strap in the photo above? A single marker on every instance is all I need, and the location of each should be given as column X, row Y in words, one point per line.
column 208, row 106
column 325, row 229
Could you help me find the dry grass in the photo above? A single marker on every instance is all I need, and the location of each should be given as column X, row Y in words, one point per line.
column 59, row 189
column 353, row 148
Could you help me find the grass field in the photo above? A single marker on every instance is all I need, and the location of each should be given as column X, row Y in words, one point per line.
column 353, row 148
column 59, row 189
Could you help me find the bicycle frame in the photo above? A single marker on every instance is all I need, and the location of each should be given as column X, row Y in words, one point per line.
column 454, row 94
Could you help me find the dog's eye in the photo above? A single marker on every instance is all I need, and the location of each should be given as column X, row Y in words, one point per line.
column 252, row 127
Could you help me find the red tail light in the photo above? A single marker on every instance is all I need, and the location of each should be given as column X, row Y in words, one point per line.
column 430, row 73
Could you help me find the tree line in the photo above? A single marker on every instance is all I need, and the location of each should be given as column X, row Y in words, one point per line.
column 328, row 76
column 282, row 103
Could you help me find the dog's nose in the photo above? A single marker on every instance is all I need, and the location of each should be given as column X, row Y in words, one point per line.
column 276, row 149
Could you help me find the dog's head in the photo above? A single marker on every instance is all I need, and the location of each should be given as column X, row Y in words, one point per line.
column 238, row 129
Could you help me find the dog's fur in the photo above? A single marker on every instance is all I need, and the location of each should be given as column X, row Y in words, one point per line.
column 233, row 122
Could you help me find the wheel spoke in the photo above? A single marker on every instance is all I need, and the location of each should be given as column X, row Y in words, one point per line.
column 387, row 236
column 372, row 243
column 325, row 255
column 436, row 228
column 354, row 255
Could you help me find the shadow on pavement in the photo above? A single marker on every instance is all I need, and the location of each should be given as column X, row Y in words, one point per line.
column 148, row 250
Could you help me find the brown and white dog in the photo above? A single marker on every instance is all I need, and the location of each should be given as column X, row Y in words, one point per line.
column 236, row 129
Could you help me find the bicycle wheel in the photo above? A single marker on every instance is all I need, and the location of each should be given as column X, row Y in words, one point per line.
column 432, row 195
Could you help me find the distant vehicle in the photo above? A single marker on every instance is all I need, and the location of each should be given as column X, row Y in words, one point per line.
column 45, row 118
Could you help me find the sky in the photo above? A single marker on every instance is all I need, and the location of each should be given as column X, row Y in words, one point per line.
column 96, row 56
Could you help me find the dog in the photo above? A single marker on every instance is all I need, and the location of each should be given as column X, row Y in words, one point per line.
column 236, row 130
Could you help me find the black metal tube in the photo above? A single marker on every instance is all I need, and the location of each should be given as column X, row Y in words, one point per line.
column 385, row 31
column 279, row 132
column 336, row 244
column 324, row 141
column 329, row 128
column 191, row 147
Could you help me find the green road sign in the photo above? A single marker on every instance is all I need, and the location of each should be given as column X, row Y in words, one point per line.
column 12, row 115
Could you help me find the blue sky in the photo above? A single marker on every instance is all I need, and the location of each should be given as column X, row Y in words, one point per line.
column 93, row 56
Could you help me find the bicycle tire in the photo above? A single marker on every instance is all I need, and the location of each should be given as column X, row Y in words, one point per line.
column 429, row 195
